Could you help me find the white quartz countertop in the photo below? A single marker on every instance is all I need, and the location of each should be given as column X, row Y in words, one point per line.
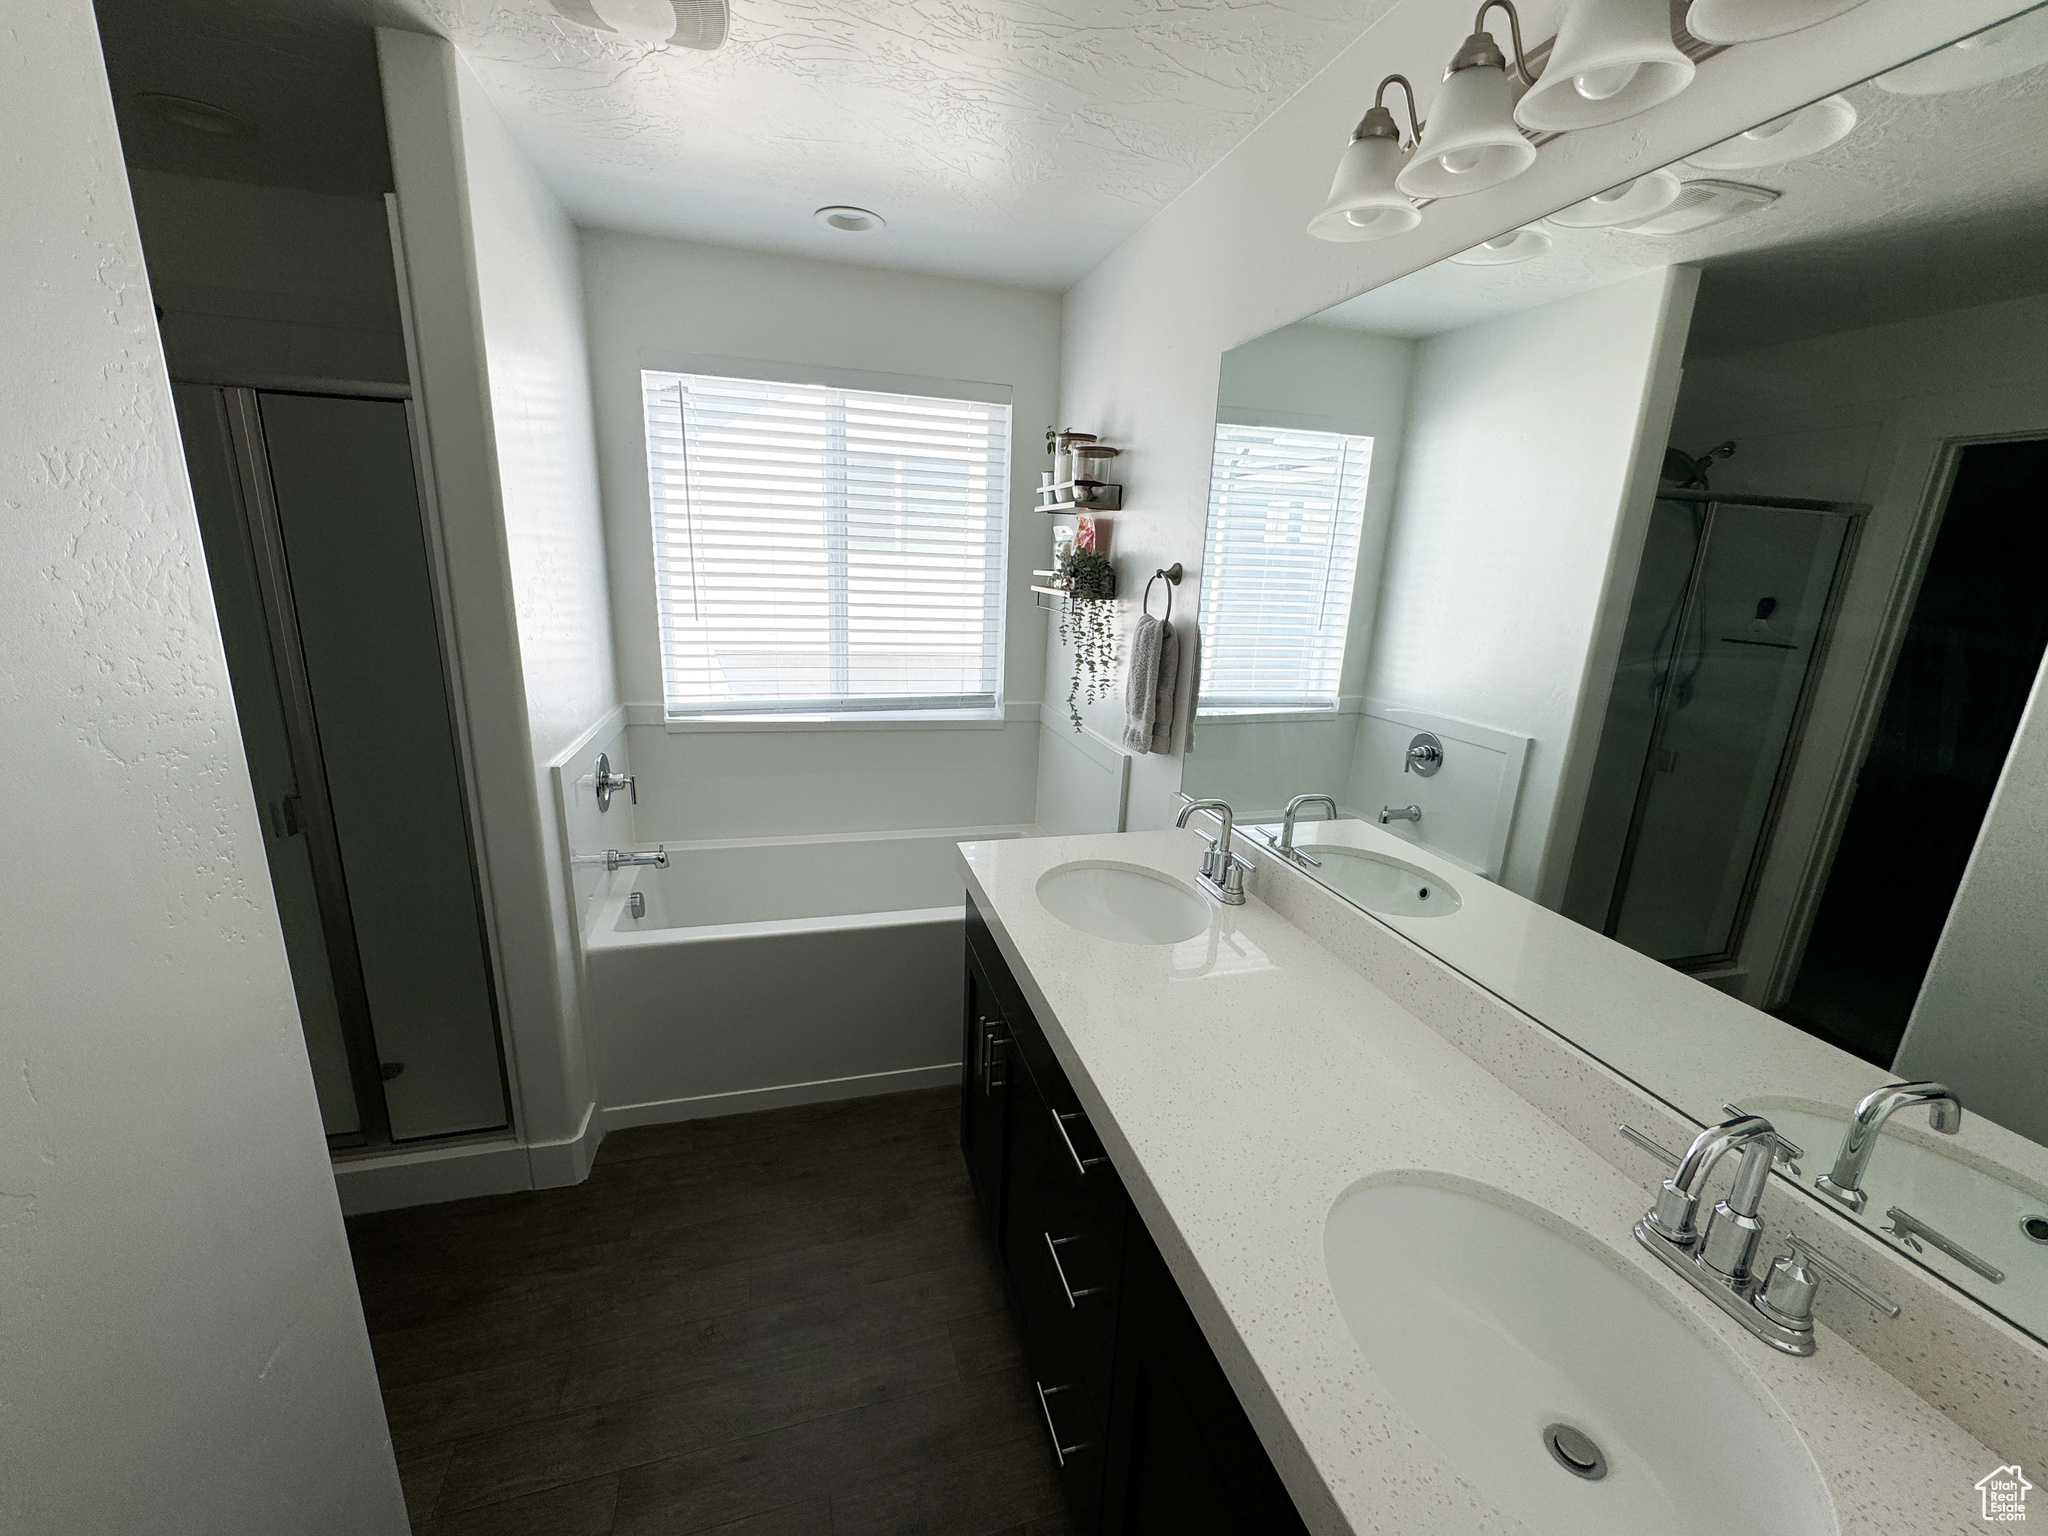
column 1244, row 1079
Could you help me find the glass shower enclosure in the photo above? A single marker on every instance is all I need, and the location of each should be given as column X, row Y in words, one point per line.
column 1734, row 604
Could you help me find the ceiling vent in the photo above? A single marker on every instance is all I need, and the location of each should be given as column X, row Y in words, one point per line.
column 699, row 24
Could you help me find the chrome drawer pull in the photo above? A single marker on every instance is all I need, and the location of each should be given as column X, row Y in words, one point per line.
column 1081, row 1164
column 1052, row 1246
column 1058, row 1450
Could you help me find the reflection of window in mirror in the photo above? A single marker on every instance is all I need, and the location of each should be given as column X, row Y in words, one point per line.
column 1286, row 507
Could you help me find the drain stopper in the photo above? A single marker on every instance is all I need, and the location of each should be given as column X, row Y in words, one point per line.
column 1575, row 1451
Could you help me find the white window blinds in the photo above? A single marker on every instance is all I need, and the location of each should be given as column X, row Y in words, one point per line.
column 1285, row 510
column 824, row 550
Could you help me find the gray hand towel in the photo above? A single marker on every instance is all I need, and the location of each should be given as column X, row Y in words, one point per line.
column 1141, row 687
column 1169, row 676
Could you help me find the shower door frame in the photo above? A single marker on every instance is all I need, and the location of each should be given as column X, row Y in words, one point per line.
column 1853, row 513
column 241, row 401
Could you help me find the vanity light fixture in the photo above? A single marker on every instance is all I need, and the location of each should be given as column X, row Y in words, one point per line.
column 1650, row 193
column 1749, row 21
column 1997, row 53
column 698, row 24
column 1471, row 141
column 1505, row 250
column 1611, row 60
column 1817, row 126
column 1364, row 203
column 1701, row 203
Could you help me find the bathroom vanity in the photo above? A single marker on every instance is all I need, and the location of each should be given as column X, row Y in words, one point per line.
column 1284, row 1252
column 1145, row 1428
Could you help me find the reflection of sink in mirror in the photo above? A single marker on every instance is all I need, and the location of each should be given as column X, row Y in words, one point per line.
column 1970, row 1206
column 1489, row 1327
column 1116, row 901
column 1380, row 884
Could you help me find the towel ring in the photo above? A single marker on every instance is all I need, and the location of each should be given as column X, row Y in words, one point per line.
column 1171, row 575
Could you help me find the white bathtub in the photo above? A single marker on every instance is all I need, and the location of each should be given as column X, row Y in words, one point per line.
column 780, row 970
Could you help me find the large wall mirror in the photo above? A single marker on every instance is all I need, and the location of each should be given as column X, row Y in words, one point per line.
column 1657, row 593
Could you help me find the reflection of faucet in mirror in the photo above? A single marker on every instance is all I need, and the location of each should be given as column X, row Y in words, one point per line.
column 1403, row 813
column 1844, row 1184
column 1287, row 826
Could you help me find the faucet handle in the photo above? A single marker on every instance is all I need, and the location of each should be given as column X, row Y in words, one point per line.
column 1787, row 1295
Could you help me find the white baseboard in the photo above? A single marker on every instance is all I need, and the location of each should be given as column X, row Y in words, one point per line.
column 432, row 1175
column 747, row 1100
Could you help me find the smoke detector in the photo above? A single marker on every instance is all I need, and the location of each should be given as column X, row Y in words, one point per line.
column 699, row 24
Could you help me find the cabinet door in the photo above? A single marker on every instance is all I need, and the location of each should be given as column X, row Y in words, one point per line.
column 1183, row 1458
column 984, row 1093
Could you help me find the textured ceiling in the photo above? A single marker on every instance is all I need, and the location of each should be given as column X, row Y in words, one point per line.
column 1930, row 204
column 1013, row 140
column 1019, row 140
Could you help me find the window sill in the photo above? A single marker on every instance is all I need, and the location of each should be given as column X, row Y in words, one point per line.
column 864, row 720
column 1276, row 712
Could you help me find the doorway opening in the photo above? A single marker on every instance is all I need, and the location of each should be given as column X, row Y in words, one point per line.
column 1971, row 651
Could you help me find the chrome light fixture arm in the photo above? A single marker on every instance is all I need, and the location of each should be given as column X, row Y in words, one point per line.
column 1482, row 52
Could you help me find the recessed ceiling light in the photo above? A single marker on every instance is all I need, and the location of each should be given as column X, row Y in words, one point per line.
column 1505, row 250
column 848, row 219
column 200, row 116
column 1700, row 203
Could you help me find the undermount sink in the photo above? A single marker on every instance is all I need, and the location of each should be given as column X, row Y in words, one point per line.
column 1381, row 884
column 1121, row 902
column 1530, row 1362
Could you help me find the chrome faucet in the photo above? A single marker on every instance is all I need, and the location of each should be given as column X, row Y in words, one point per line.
column 615, row 860
column 1287, row 827
column 1223, row 872
column 1720, row 1262
column 1844, row 1183
column 1402, row 813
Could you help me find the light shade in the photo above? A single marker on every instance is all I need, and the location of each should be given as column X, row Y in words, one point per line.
column 1364, row 203
column 1700, row 203
column 1470, row 142
column 1997, row 53
column 1612, row 59
column 1505, row 250
column 1632, row 200
column 644, row 21
column 1747, row 21
column 1794, row 136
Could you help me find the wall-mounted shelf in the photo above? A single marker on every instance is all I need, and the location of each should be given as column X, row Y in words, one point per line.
column 1044, row 593
column 1101, row 497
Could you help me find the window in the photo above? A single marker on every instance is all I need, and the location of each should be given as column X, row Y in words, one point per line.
column 1285, row 509
column 825, row 550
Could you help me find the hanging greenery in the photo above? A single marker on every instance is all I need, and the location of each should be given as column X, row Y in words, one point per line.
column 1088, row 624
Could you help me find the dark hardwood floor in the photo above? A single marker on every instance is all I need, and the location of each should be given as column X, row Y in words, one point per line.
column 766, row 1325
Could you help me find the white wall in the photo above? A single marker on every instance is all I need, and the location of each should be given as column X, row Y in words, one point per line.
column 654, row 302
column 1520, row 483
column 1863, row 416
column 181, row 1347
column 270, row 285
column 1230, row 259
column 502, row 375
column 1977, row 1025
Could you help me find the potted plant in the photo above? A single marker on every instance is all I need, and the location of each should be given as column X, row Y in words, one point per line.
column 1088, row 623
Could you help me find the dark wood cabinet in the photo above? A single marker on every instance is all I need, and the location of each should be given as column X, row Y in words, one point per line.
column 1148, row 1435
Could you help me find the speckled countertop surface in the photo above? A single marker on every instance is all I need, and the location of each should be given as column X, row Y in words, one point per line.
column 1244, row 1079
